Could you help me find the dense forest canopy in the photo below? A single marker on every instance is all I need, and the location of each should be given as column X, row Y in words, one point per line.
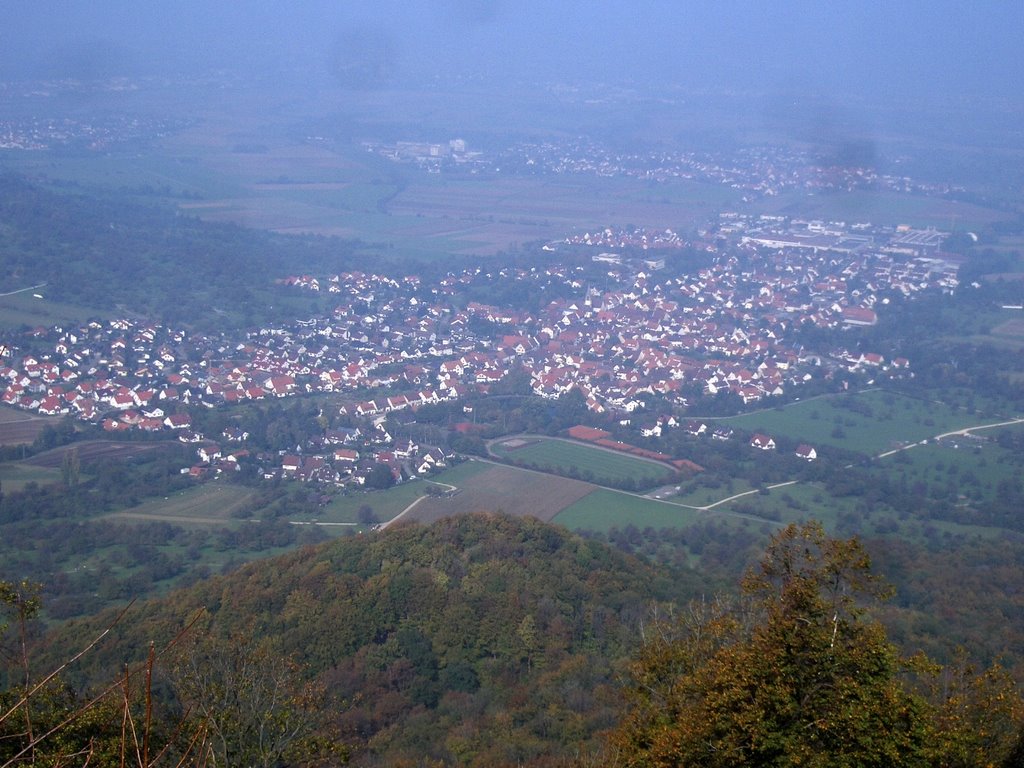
column 486, row 640
column 493, row 638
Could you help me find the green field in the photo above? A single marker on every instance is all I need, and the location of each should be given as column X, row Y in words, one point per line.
column 388, row 503
column 583, row 462
column 870, row 422
column 14, row 476
column 603, row 510
column 699, row 493
column 884, row 207
column 971, row 468
column 24, row 309
column 338, row 188
column 210, row 503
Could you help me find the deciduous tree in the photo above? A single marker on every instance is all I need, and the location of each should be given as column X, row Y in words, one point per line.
column 794, row 673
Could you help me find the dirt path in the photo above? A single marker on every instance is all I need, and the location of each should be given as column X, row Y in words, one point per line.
column 962, row 432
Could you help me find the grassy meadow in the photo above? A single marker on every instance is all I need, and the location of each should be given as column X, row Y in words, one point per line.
column 870, row 422
column 604, row 509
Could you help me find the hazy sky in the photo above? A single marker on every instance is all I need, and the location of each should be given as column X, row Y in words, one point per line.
column 924, row 46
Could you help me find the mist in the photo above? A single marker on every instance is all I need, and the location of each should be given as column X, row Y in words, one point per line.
column 915, row 49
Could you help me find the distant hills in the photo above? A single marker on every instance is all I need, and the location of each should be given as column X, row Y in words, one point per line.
column 102, row 250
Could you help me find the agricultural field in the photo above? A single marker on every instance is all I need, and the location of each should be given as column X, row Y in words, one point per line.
column 1007, row 334
column 97, row 450
column 19, row 427
column 968, row 469
column 344, row 510
column 703, row 491
column 24, row 309
column 293, row 185
column 602, row 510
column 15, row 475
column 496, row 488
column 870, row 422
column 886, row 207
column 596, row 465
column 202, row 505
column 523, row 209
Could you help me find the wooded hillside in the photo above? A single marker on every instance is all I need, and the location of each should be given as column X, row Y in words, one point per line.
column 483, row 639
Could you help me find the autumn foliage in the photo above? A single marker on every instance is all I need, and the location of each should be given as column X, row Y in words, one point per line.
column 796, row 673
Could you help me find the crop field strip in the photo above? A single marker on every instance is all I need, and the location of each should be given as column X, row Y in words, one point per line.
column 505, row 489
column 209, row 504
column 21, row 427
column 92, row 450
column 593, row 464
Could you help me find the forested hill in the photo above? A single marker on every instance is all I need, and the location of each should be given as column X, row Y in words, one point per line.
column 484, row 637
column 102, row 249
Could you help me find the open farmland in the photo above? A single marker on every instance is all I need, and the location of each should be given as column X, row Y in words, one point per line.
column 504, row 489
column 385, row 504
column 206, row 504
column 603, row 510
column 973, row 468
column 889, row 207
column 96, row 450
column 521, row 209
column 16, row 475
column 24, row 308
column 1007, row 335
column 293, row 186
column 868, row 422
column 20, row 427
column 597, row 465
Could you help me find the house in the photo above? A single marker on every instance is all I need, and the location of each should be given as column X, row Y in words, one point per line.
column 52, row 406
column 405, row 448
column 806, row 452
column 209, row 453
column 434, row 458
column 235, row 434
column 279, row 386
column 859, row 316
column 346, row 456
column 342, row 436
column 762, row 442
column 178, row 421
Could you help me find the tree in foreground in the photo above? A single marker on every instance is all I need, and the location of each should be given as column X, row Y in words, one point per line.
column 240, row 705
column 795, row 673
column 251, row 703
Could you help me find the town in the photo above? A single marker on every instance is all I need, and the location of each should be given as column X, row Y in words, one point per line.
column 759, row 172
column 640, row 341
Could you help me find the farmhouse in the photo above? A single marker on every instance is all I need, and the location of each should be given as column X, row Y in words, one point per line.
column 806, row 452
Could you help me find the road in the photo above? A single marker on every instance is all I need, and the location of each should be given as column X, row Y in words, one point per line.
column 23, row 290
column 401, row 514
column 962, row 432
column 707, row 507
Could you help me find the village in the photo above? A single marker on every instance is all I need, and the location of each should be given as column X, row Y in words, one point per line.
column 759, row 172
column 639, row 341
